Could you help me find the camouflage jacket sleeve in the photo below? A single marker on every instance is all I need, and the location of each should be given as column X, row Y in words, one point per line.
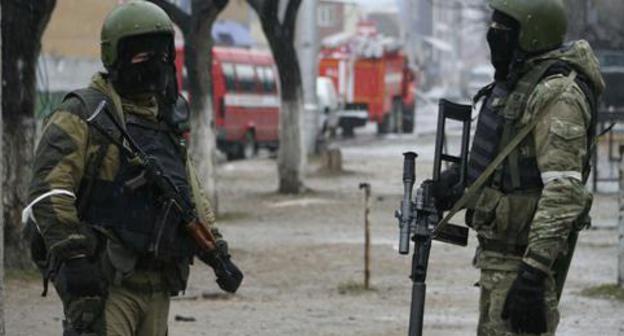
column 202, row 204
column 561, row 149
column 57, row 172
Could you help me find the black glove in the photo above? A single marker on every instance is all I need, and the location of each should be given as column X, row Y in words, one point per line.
column 79, row 278
column 229, row 276
column 524, row 305
column 446, row 190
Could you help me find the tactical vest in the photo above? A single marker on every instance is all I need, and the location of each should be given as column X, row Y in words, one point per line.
column 498, row 124
column 129, row 207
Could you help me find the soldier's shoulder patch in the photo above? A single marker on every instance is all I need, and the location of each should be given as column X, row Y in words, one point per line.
column 548, row 89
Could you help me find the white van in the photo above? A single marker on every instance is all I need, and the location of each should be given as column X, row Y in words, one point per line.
column 328, row 105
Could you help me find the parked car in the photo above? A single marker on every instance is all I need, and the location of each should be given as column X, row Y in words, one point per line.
column 328, row 105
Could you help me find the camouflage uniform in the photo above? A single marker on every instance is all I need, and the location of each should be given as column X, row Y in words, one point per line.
column 118, row 230
column 533, row 227
column 63, row 160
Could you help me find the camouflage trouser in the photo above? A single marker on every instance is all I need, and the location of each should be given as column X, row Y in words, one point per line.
column 139, row 307
column 137, row 310
column 494, row 287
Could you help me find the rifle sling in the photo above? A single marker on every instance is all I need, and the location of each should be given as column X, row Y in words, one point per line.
column 475, row 188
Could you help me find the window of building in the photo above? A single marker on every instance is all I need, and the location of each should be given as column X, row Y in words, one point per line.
column 326, row 15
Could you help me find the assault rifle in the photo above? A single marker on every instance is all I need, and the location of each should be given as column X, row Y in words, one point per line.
column 419, row 218
column 228, row 275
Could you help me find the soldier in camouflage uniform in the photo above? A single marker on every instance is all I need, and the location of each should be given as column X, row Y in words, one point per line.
column 114, row 273
column 531, row 208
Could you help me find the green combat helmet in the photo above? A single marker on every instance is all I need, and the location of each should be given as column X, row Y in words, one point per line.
column 136, row 17
column 543, row 23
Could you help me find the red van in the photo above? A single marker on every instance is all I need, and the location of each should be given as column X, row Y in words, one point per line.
column 246, row 101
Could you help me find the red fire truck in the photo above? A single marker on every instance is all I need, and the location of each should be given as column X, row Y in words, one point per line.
column 246, row 100
column 373, row 80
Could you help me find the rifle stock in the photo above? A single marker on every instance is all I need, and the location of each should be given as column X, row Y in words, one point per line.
column 202, row 236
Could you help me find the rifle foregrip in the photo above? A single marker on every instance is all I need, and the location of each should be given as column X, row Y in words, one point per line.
column 202, row 236
column 404, row 237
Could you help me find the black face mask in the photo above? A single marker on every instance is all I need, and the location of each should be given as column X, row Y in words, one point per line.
column 502, row 38
column 153, row 74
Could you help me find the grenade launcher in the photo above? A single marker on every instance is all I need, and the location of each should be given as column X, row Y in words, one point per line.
column 418, row 217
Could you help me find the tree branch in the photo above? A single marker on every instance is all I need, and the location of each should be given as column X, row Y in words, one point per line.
column 290, row 17
column 204, row 9
column 42, row 13
column 256, row 5
column 221, row 4
column 266, row 10
column 177, row 15
column 271, row 9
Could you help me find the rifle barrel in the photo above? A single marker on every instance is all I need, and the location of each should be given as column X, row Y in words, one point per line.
column 417, row 310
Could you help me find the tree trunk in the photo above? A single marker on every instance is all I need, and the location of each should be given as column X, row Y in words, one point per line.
column 197, row 30
column 20, row 19
column 198, row 51
column 281, row 37
column 292, row 151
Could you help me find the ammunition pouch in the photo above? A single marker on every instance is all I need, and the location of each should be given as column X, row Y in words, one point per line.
column 503, row 221
column 484, row 211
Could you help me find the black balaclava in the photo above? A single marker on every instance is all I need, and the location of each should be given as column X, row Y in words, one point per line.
column 502, row 38
column 145, row 65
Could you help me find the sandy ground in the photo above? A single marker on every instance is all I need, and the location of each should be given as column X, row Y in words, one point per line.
column 300, row 253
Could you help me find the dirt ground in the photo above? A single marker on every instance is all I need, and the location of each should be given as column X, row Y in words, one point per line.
column 303, row 260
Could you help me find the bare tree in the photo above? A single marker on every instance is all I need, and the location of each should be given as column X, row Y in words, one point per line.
column 281, row 36
column 196, row 28
column 594, row 20
column 23, row 23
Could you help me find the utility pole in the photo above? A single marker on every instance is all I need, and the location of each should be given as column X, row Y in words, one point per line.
column 307, row 51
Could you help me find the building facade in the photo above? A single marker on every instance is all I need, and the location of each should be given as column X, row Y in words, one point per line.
column 74, row 28
column 336, row 16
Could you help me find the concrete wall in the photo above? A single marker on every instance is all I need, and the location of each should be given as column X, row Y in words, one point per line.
column 74, row 28
column 330, row 18
column 237, row 10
